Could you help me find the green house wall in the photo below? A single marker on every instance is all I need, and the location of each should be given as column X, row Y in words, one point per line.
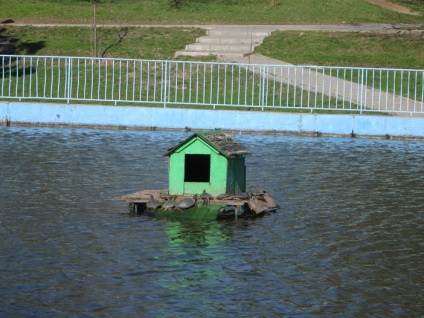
column 226, row 175
column 236, row 175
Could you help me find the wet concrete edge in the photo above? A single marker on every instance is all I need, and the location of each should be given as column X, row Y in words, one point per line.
column 186, row 120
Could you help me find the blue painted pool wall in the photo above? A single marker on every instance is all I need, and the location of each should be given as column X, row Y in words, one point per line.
column 171, row 118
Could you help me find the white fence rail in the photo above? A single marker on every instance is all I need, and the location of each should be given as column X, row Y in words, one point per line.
column 215, row 85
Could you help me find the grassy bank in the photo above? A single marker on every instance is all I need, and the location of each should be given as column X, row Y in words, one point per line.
column 207, row 12
column 307, row 48
column 138, row 43
column 339, row 49
column 346, row 49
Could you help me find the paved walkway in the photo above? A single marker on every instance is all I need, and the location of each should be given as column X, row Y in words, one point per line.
column 321, row 83
column 314, row 80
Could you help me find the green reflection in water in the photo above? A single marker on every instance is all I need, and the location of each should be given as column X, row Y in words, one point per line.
column 197, row 253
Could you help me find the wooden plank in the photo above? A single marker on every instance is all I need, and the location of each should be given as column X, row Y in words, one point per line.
column 257, row 206
column 142, row 196
column 270, row 201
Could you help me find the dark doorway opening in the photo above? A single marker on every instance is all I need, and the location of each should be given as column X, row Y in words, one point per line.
column 197, row 168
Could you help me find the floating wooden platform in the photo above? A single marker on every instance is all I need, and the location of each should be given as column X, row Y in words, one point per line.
column 230, row 207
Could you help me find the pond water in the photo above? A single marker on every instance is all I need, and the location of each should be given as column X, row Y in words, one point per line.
column 348, row 240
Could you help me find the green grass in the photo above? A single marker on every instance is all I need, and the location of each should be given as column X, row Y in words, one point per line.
column 207, row 11
column 301, row 48
column 141, row 43
column 346, row 49
column 317, row 48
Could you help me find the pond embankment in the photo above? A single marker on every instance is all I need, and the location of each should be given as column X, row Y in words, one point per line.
column 150, row 118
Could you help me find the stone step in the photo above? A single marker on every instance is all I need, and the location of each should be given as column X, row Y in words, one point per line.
column 226, row 42
column 229, row 40
column 228, row 54
column 237, row 33
column 219, row 47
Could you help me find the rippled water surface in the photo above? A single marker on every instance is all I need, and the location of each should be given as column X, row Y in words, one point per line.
column 348, row 240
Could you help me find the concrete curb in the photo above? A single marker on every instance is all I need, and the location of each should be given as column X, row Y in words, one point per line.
column 143, row 118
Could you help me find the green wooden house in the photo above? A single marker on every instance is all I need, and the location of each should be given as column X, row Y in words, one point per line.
column 210, row 161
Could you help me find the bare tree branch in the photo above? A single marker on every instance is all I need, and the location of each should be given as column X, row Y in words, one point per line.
column 121, row 33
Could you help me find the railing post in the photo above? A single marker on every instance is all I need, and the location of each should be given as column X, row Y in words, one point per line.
column 164, row 82
column 361, row 93
column 264, row 78
column 261, row 87
column 69, row 81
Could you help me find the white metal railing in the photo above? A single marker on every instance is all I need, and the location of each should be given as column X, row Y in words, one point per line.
column 216, row 85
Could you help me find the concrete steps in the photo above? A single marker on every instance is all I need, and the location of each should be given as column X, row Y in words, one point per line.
column 229, row 41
